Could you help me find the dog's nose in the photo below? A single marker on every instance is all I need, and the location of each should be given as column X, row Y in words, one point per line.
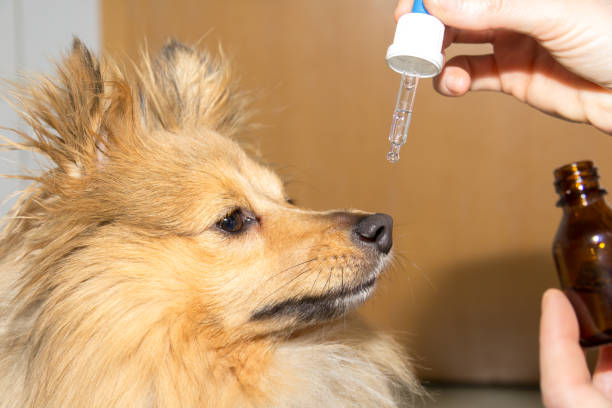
column 376, row 229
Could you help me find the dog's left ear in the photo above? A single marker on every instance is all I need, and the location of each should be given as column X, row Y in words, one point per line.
column 184, row 88
column 78, row 113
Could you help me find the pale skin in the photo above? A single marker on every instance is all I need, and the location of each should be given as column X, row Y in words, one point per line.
column 555, row 55
column 565, row 379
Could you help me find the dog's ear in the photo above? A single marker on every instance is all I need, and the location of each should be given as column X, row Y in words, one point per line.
column 75, row 115
column 184, row 88
column 92, row 108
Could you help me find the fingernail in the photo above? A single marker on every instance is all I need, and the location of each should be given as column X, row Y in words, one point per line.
column 444, row 85
column 455, row 85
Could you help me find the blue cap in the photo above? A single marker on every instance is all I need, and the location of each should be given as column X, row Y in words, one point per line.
column 418, row 7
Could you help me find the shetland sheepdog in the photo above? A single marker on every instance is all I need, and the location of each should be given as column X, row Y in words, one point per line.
column 155, row 264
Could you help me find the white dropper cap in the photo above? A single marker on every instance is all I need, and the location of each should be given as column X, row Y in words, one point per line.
column 417, row 45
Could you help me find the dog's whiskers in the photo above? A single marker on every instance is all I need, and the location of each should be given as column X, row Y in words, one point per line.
column 406, row 264
column 315, row 282
column 327, row 281
column 282, row 286
column 296, row 265
column 288, row 269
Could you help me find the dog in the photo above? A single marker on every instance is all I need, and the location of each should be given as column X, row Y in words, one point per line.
column 156, row 264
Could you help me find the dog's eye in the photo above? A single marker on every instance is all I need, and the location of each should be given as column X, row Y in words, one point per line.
column 232, row 222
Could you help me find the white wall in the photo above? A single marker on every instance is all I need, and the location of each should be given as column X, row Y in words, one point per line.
column 33, row 33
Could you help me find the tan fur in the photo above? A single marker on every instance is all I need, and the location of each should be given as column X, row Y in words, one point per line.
column 118, row 289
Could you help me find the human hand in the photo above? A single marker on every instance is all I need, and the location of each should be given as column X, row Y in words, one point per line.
column 564, row 376
column 555, row 55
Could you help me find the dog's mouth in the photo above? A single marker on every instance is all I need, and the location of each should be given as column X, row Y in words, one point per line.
column 321, row 307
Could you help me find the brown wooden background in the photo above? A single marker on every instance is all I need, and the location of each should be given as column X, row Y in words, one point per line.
column 472, row 195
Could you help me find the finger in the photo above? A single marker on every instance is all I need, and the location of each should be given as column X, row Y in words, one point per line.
column 465, row 73
column 602, row 379
column 562, row 363
column 524, row 16
column 403, row 7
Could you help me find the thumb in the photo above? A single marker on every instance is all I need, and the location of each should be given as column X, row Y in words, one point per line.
column 562, row 362
column 524, row 16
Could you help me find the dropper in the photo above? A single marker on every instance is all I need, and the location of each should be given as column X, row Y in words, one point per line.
column 416, row 53
column 402, row 115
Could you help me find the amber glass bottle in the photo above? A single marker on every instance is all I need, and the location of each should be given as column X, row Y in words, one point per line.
column 583, row 250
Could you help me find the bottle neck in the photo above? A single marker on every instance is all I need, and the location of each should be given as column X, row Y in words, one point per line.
column 590, row 202
column 578, row 186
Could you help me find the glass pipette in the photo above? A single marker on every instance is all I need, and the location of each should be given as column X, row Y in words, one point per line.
column 402, row 115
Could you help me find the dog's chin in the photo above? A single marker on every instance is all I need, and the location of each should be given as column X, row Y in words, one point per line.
column 316, row 308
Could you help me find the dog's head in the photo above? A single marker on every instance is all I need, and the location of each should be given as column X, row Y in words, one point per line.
column 153, row 217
